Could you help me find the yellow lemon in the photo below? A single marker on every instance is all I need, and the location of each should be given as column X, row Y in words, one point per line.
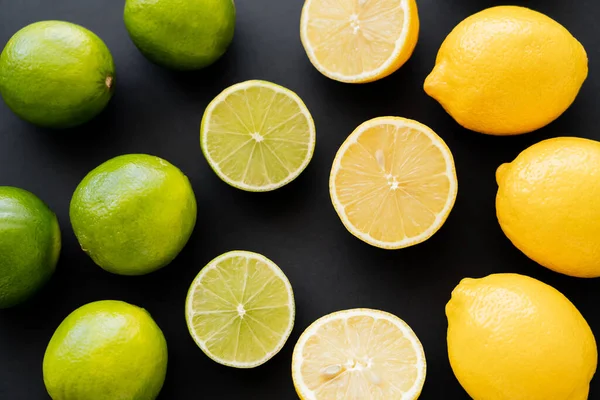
column 393, row 182
column 507, row 70
column 359, row 354
column 548, row 204
column 511, row 337
column 359, row 41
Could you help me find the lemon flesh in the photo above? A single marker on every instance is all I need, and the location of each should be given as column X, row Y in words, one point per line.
column 359, row 354
column 507, row 70
column 548, row 204
column 257, row 136
column 511, row 337
column 359, row 41
column 393, row 182
column 240, row 309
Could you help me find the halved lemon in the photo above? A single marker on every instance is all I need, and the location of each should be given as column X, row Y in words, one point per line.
column 359, row 354
column 393, row 182
column 257, row 136
column 359, row 41
column 240, row 309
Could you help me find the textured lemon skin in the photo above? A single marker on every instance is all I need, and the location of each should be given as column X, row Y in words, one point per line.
column 548, row 204
column 507, row 70
column 106, row 350
column 511, row 337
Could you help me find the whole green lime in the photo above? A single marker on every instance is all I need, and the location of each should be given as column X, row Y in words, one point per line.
column 106, row 350
column 56, row 74
column 29, row 245
column 133, row 214
column 181, row 34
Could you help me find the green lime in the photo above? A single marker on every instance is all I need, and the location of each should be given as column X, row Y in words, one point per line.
column 240, row 309
column 257, row 136
column 29, row 245
column 56, row 74
column 181, row 34
column 133, row 214
column 106, row 350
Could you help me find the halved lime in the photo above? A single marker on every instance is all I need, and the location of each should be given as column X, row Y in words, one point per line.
column 257, row 136
column 240, row 309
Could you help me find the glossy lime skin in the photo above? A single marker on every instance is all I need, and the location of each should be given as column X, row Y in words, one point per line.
column 30, row 244
column 56, row 74
column 133, row 214
column 106, row 350
column 181, row 34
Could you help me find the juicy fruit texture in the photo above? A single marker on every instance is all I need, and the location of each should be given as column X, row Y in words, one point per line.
column 181, row 34
column 257, row 136
column 133, row 214
column 29, row 245
column 359, row 41
column 393, row 182
column 56, row 74
column 106, row 350
column 507, row 70
column 511, row 337
column 548, row 204
column 240, row 309
column 359, row 354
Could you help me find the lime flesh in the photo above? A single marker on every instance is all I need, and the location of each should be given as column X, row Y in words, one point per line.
column 106, row 350
column 257, row 136
column 133, row 214
column 29, row 245
column 56, row 74
column 240, row 309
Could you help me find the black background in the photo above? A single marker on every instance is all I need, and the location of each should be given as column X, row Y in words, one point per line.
column 158, row 112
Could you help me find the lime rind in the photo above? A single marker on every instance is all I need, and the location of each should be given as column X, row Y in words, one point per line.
column 214, row 164
column 234, row 311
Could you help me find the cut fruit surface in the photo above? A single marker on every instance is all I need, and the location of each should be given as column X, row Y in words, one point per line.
column 359, row 354
column 358, row 41
column 240, row 309
column 257, row 136
column 393, row 182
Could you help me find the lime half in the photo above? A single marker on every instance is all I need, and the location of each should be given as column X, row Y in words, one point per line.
column 240, row 309
column 257, row 136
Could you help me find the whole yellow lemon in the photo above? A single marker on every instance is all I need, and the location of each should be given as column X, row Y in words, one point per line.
column 548, row 204
column 511, row 337
column 507, row 70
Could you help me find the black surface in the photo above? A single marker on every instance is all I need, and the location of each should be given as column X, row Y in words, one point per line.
column 158, row 112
